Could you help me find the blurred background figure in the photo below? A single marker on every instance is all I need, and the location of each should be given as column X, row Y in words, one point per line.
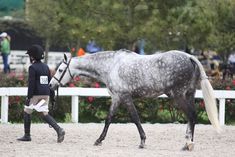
column 80, row 52
column 92, row 47
column 5, row 50
column 135, row 48
column 138, row 46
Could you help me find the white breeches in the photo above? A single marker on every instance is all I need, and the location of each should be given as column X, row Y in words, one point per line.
column 38, row 103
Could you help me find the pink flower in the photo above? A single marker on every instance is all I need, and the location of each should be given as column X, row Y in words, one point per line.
column 233, row 82
column 17, row 99
column 228, row 88
column 12, row 74
column 77, row 78
column 21, row 77
column 90, row 99
column 202, row 105
column 73, row 49
column 71, row 85
column 97, row 85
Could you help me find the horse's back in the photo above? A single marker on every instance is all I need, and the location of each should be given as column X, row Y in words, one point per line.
column 156, row 74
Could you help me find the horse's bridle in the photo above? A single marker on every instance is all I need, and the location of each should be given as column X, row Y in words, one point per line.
column 61, row 77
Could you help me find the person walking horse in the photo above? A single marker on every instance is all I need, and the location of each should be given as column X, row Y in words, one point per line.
column 39, row 93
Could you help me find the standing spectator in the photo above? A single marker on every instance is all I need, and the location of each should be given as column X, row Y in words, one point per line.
column 138, row 46
column 5, row 50
column 92, row 47
column 80, row 52
column 141, row 46
column 135, row 48
column 39, row 94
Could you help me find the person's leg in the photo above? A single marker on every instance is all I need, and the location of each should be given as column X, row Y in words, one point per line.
column 51, row 121
column 5, row 63
column 27, row 120
column 27, row 125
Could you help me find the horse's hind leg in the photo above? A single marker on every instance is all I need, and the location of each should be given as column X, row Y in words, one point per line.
column 186, row 103
column 128, row 102
column 112, row 110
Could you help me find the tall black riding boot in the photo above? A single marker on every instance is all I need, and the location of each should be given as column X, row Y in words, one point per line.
column 60, row 132
column 27, row 124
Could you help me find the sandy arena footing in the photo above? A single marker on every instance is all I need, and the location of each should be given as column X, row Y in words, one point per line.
column 122, row 140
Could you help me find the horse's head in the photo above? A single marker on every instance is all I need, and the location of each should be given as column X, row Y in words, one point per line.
column 63, row 74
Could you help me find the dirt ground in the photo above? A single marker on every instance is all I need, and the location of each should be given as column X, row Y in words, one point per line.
column 163, row 140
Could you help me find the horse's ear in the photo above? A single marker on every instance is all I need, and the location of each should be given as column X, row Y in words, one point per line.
column 65, row 57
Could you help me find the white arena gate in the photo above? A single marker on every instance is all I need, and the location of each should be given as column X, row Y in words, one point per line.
column 75, row 92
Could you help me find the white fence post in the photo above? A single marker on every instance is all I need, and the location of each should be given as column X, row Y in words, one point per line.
column 222, row 111
column 75, row 109
column 4, row 109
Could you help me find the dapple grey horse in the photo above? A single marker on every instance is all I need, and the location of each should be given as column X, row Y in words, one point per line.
column 128, row 75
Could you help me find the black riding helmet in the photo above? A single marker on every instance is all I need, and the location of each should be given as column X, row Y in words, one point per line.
column 36, row 51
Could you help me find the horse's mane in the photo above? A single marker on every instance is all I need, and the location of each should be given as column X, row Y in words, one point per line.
column 107, row 54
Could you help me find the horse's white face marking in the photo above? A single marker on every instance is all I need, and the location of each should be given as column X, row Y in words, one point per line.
column 54, row 83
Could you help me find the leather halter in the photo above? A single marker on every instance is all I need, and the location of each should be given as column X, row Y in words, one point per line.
column 67, row 68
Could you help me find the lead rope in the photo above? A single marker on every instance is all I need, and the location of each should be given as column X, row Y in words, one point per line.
column 57, row 97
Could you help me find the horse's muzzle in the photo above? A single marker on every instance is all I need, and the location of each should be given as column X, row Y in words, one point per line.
column 53, row 87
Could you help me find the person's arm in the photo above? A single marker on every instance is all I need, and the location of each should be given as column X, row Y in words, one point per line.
column 1, row 45
column 31, row 82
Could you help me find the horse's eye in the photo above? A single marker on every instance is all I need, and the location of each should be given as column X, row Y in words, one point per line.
column 60, row 70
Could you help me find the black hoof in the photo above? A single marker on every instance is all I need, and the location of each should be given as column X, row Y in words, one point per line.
column 142, row 143
column 185, row 148
column 97, row 143
column 141, row 146
column 188, row 147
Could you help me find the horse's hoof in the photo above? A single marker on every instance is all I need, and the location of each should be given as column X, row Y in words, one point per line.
column 188, row 146
column 142, row 143
column 97, row 143
column 141, row 146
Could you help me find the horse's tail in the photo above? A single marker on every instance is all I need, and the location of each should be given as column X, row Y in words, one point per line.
column 208, row 95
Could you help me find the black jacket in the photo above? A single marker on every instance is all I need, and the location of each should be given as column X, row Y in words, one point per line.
column 38, row 80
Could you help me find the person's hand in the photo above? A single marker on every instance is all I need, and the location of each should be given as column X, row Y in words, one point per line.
column 27, row 101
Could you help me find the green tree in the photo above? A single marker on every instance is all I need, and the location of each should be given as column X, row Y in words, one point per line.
column 114, row 24
column 223, row 36
column 41, row 15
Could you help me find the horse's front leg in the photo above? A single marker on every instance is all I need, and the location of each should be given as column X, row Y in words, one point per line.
column 135, row 118
column 112, row 110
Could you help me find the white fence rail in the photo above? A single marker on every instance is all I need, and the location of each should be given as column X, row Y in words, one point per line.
column 75, row 92
column 19, row 61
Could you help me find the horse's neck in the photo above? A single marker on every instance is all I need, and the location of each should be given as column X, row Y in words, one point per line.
column 96, row 66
